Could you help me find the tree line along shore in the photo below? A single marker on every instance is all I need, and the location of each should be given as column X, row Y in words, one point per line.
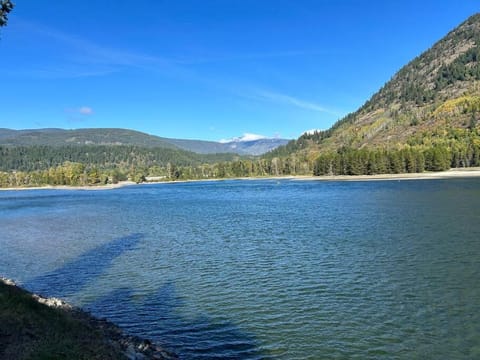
column 34, row 167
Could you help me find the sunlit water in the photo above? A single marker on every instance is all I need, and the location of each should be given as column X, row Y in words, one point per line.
column 262, row 269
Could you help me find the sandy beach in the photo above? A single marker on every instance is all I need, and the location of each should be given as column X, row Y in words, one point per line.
column 452, row 173
column 65, row 187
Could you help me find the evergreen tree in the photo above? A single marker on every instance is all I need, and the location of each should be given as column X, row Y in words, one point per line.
column 6, row 6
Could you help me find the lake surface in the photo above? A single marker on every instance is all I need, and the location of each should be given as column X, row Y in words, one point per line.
column 262, row 269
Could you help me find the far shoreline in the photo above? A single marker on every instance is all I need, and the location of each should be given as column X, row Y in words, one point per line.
column 431, row 175
column 67, row 187
column 447, row 174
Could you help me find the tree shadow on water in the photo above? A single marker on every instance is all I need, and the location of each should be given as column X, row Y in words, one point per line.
column 74, row 275
column 157, row 316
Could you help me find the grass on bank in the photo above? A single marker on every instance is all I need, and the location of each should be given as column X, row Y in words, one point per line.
column 31, row 330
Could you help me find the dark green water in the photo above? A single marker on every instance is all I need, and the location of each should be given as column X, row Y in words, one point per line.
column 263, row 269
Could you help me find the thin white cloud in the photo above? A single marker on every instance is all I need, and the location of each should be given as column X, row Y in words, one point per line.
column 80, row 113
column 59, row 72
column 85, row 58
column 85, row 110
column 88, row 50
column 227, row 57
column 290, row 100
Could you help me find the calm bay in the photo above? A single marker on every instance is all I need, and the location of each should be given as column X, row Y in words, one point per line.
column 262, row 269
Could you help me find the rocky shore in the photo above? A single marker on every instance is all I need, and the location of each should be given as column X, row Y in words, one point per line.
column 32, row 326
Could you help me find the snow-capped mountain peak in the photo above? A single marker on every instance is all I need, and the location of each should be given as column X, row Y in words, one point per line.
column 244, row 138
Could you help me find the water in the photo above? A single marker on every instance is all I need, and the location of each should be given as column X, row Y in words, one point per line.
column 262, row 269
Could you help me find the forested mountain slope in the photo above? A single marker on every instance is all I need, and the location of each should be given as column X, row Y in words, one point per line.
column 80, row 137
column 98, row 156
column 432, row 105
column 62, row 137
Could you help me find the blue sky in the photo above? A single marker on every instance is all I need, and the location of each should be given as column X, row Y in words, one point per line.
column 208, row 69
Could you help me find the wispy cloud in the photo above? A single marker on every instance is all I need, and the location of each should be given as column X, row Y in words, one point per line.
column 80, row 114
column 59, row 71
column 86, row 58
column 82, row 110
column 82, row 57
column 85, row 110
column 291, row 100
column 214, row 58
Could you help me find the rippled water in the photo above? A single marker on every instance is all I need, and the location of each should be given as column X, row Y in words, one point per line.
column 262, row 269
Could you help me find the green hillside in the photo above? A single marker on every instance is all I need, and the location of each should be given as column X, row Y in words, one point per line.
column 92, row 157
column 117, row 137
column 428, row 110
column 61, row 137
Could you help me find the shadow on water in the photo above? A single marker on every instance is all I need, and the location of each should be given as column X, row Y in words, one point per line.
column 157, row 316
column 74, row 275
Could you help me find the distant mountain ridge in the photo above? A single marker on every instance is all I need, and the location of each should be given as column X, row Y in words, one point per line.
column 62, row 137
column 253, row 147
column 113, row 136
